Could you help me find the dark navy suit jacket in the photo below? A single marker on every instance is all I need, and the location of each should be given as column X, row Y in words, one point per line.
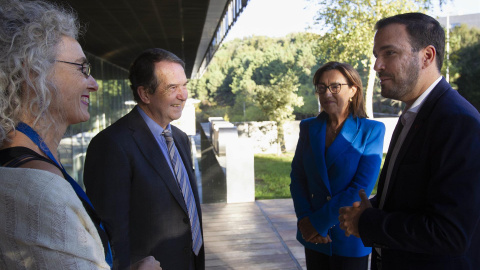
column 431, row 215
column 136, row 194
column 323, row 181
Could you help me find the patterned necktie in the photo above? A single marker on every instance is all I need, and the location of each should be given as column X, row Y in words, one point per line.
column 186, row 192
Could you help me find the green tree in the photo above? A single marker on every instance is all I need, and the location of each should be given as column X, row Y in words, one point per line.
column 229, row 86
column 462, row 62
column 460, row 37
column 468, row 64
column 277, row 100
column 349, row 26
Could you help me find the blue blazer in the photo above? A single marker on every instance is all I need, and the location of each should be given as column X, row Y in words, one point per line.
column 323, row 181
column 431, row 216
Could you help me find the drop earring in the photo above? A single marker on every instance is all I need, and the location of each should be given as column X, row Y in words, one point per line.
column 351, row 99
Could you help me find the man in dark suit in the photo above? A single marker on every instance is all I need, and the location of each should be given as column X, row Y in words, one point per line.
column 426, row 214
column 140, row 182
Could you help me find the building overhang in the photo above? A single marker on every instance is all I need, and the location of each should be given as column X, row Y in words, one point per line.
column 118, row 31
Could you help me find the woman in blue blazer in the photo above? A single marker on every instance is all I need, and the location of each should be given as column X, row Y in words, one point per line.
column 338, row 153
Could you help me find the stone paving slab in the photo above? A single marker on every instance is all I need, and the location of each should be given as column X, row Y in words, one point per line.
column 257, row 235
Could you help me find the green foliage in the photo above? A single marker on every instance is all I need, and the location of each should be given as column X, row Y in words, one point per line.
column 244, row 77
column 374, row 191
column 469, row 68
column 272, row 176
column 213, row 111
column 259, row 78
column 310, row 102
column 349, row 26
column 464, row 62
column 278, row 96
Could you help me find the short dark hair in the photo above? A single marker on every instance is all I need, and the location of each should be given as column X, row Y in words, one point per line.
column 422, row 30
column 142, row 71
column 357, row 106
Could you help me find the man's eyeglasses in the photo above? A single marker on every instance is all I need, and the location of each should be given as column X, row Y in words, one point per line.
column 85, row 67
column 334, row 88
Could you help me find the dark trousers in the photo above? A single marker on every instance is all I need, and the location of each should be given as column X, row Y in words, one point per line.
column 319, row 261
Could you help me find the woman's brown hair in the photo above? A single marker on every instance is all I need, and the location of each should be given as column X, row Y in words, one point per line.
column 357, row 106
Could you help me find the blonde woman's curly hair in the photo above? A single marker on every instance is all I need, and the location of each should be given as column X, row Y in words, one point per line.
column 30, row 32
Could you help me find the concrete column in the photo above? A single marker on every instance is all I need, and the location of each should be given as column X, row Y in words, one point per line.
column 240, row 171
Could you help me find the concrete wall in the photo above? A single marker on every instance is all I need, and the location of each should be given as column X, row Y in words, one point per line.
column 264, row 134
column 390, row 123
column 227, row 164
column 214, row 185
column 187, row 121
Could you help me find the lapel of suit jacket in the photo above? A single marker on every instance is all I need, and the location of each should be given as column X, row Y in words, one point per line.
column 317, row 131
column 343, row 140
column 147, row 144
column 421, row 118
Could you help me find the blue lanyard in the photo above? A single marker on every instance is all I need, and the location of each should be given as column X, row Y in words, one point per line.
column 33, row 135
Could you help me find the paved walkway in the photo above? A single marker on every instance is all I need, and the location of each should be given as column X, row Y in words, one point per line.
column 257, row 235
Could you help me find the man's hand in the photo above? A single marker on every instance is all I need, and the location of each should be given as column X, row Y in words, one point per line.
column 350, row 215
column 147, row 263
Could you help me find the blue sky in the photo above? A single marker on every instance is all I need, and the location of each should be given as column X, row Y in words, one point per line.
column 277, row 18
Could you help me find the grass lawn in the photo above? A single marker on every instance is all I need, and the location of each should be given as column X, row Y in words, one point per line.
column 272, row 176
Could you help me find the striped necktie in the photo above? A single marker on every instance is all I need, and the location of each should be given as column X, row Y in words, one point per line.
column 186, row 190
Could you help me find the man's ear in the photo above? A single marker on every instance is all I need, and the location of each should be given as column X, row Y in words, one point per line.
column 429, row 55
column 143, row 94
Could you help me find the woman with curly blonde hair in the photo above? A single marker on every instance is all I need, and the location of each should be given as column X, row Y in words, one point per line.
column 46, row 220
